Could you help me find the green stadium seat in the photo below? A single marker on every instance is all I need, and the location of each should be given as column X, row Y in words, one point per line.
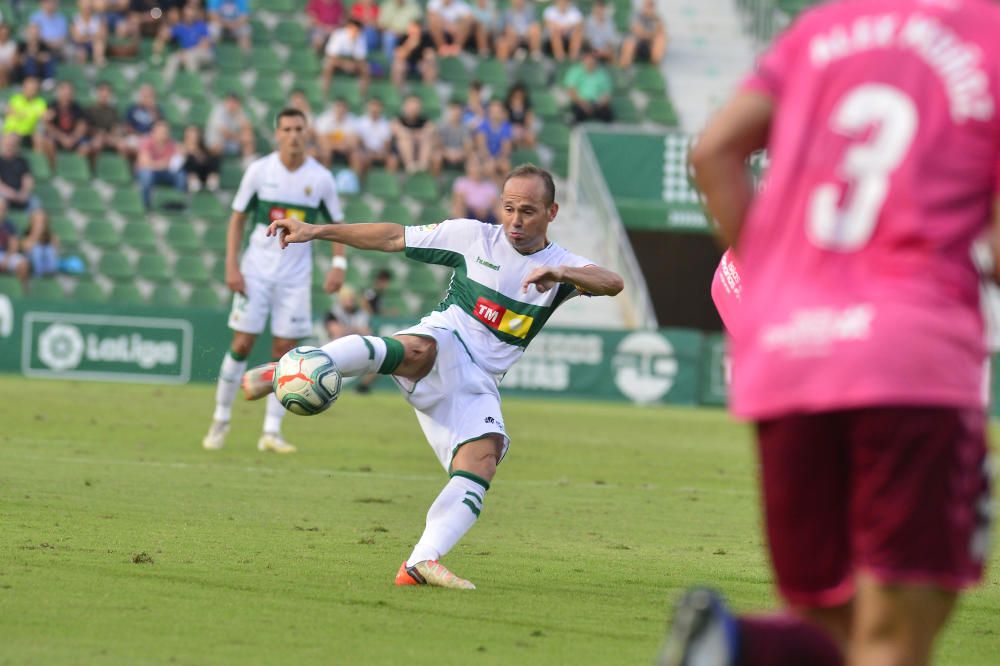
column 205, row 297
column 127, row 293
column 434, row 213
column 554, row 135
column 115, row 77
column 218, row 270
column 191, row 268
column 198, row 112
column 207, row 206
column 268, row 90
column 65, row 231
column 389, row 95
column 358, row 211
column 167, row 295
column 113, row 169
column 544, row 104
column 229, row 58
column 39, row 164
column 290, row 33
column 227, row 83
column 560, row 164
column 424, row 281
column 102, row 233
column 10, row 285
column 423, row 187
column 75, row 74
column 649, row 79
column 116, row 266
column 524, row 156
column 46, row 289
column 394, row 304
column 382, row 184
column 347, row 88
column 49, row 195
column 127, row 202
column 532, row 75
column 452, row 70
column 303, row 63
column 624, row 109
column 183, row 238
column 87, row 200
column 153, row 267
column 430, row 100
column 662, row 112
column 215, row 237
column 493, row 73
column 188, row 85
column 266, row 62
column 89, row 291
column 398, row 213
column 230, row 174
column 72, row 167
column 139, row 234
column 153, row 77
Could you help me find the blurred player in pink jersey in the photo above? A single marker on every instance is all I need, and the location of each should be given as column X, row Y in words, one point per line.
column 858, row 344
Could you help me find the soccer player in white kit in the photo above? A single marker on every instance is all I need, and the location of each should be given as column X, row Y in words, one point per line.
column 269, row 281
column 508, row 280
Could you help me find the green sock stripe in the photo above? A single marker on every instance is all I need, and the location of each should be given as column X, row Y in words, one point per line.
column 393, row 356
column 472, row 507
column 371, row 349
column 474, row 496
column 237, row 357
column 472, row 477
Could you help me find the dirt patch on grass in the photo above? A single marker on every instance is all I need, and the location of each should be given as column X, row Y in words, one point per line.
column 142, row 558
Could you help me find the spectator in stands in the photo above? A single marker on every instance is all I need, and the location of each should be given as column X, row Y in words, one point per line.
column 229, row 131
column 53, row 28
column 600, row 34
column 366, row 13
column 9, row 60
column 485, row 25
column 336, row 135
column 123, row 33
column 159, row 162
column 494, row 140
column 522, row 118
column 297, row 100
column 193, row 39
column 564, row 24
column 230, row 19
column 373, row 294
column 89, row 34
column 139, row 120
column 12, row 262
column 647, row 38
column 350, row 316
column 25, row 111
column 414, row 57
column 104, row 122
column 149, row 17
column 475, row 195
column 17, row 185
column 325, row 16
column 201, row 167
column 40, row 245
column 475, row 108
column 589, row 88
column 450, row 25
column 66, row 127
column 521, row 31
column 346, row 52
column 374, row 140
column 394, row 19
column 414, row 135
column 454, row 140
column 35, row 56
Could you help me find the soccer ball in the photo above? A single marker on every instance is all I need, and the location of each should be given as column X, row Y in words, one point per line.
column 306, row 381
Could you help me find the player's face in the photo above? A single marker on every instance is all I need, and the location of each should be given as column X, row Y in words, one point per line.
column 291, row 136
column 525, row 214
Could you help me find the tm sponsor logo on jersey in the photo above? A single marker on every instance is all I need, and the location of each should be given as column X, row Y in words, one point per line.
column 491, row 266
column 280, row 213
column 812, row 331
column 502, row 319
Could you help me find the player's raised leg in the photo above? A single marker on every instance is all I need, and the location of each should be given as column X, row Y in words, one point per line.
column 452, row 514
column 233, row 365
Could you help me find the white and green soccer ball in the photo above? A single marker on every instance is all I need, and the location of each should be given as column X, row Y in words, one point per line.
column 306, row 381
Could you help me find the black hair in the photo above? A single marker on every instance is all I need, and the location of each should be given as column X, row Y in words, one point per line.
column 288, row 112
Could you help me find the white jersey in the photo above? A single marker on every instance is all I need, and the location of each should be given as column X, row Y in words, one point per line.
column 269, row 192
column 485, row 306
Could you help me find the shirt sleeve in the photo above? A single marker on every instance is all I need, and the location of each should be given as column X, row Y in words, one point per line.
column 246, row 195
column 773, row 65
column 331, row 201
column 445, row 243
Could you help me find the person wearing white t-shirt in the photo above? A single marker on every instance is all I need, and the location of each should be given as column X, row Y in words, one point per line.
column 374, row 140
column 267, row 282
column 450, row 24
column 346, row 51
column 336, row 134
column 507, row 280
column 564, row 25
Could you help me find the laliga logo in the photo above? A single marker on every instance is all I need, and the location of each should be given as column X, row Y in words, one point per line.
column 644, row 367
column 60, row 346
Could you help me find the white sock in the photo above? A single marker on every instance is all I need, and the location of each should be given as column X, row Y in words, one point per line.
column 451, row 515
column 356, row 354
column 230, row 375
column 272, row 417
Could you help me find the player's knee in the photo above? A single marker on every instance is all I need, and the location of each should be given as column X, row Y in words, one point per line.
column 242, row 345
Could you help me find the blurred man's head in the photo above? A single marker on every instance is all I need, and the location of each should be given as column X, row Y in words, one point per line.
column 497, row 111
column 347, row 298
column 146, row 95
column 160, row 131
column 589, row 60
column 382, row 279
column 191, row 13
column 64, row 93
column 103, row 96
column 290, row 133
column 412, row 106
column 374, row 107
column 11, row 144
column 340, row 109
column 233, row 103
column 454, row 112
column 30, row 87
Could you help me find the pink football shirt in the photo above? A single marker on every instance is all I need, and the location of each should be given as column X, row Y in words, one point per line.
column 858, row 284
column 726, row 288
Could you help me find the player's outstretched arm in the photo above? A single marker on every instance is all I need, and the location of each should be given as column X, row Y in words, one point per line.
column 591, row 279
column 382, row 236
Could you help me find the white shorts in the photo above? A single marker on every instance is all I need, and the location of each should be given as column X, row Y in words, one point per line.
column 289, row 304
column 457, row 402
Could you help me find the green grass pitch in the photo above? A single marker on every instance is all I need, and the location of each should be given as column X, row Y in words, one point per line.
column 125, row 543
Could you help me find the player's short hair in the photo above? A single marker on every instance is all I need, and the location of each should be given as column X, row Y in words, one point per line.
column 288, row 112
column 529, row 170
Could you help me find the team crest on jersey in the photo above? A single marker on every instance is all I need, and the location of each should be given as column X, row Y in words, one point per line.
column 309, row 190
column 502, row 319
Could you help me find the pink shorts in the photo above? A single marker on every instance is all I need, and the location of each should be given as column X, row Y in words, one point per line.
column 899, row 493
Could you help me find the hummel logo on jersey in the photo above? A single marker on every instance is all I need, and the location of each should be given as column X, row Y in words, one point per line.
column 483, row 262
column 502, row 319
column 490, row 419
